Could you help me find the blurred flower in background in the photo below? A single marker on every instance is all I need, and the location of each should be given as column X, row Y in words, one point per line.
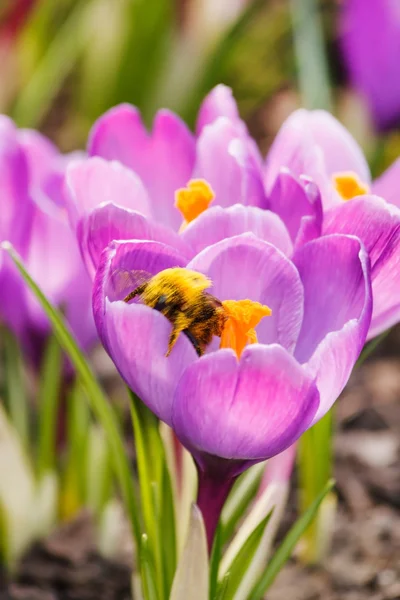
column 370, row 42
column 35, row 221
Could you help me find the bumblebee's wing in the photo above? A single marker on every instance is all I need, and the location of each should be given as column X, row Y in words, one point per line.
column 123, row 282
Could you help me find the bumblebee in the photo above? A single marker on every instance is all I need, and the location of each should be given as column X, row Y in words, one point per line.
column 180, row 295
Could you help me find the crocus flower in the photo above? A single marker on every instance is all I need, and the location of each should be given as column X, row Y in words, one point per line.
column 239, row 403
column 34, row 220
column 315, row 144
column 170, row 186
column 369, row 34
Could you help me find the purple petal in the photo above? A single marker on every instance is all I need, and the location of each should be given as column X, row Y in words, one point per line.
column 137, row 340
column 377, row 224
column 163, row 160
column 245, row 267
column 247, row 410
column 315, row 144
column 16, row 206
column 123, row 266
column 218, row 103
column 95, row 181
column 134, row 335
column 109, row 222
column 388, row 184
column 337, row 311
column 230, row 165
column 218, row 223
column 370, row 41
column 40, row 153
column 298, row 203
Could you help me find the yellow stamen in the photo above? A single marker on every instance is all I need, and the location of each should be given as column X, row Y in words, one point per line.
column 349, row 185
column 194, row 199
column 243, row 317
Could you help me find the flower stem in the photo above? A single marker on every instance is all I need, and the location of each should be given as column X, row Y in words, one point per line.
column 212, row 492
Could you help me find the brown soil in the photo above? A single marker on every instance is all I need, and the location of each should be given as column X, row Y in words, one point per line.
column 364, row 562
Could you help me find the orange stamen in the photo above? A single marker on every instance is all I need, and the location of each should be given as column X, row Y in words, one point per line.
column 194, row 199
column 349, row 185
column 243, row 317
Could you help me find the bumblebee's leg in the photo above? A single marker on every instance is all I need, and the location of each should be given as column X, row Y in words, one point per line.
column 136, row 292
column 180, row 323
column 194, row 342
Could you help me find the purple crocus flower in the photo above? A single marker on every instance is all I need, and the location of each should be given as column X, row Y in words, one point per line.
column 369, row 34
column 234, row 408
column 158, row 186
column 34, row 220
column 315, row 144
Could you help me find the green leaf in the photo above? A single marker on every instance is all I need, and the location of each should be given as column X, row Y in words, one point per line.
column 239, row 499
column 147, row 571
column 244, row 558
column 215, row 560
column 284, row 551
column 156, row 494
column 192, row 575
column 98, row 401
column 16, row 397
column 315, row 463
column 49, row 406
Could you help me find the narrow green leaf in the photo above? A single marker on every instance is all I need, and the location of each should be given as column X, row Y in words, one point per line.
column 285, row 549
column 167, row 531
column 78, row 424
column 16, row 397
column 142, row 424
column 215, row 560
column 239, row 499
column 244, row 557
column 147, row 571
column 156, row 494
column 222, row 588
column 49, row 406
column 95, row 394
column 315, row 463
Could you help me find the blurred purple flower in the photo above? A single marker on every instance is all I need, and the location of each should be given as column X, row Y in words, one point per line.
column 35, row 221
column 232, row 411
column 369, row 33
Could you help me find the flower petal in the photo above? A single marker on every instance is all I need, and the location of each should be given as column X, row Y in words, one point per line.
column 245, row 267
column 218, row 223
column 123, row 265
column 109, row 222
column 218, row 103
column 370, row 41
column 315, row 144
column 230, row 165
column 169, row 151
column 16, row 206
column 377, row 224
column 388, row 184
column 95, row 181
column 298, row 203
column 337, row 311
column 137, row 340
column 250, row 409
